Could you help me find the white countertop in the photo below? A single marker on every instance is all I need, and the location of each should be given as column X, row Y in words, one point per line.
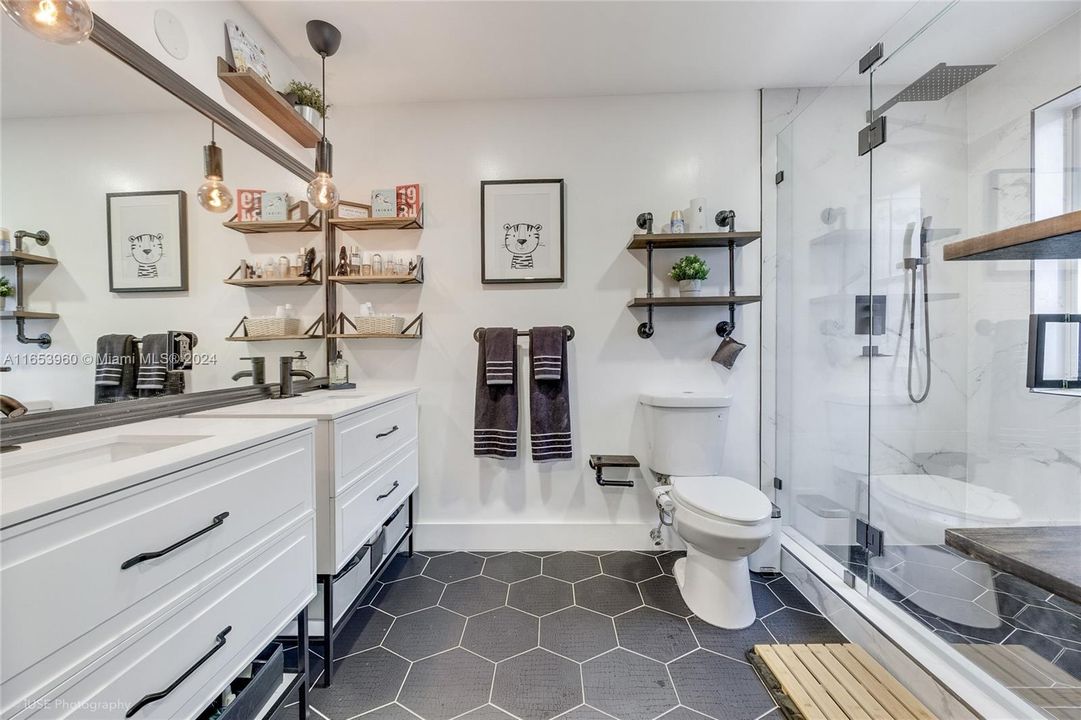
column 48, row 475
column 317, row 404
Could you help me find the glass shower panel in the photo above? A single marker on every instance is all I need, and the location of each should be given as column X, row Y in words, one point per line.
column 824, row 320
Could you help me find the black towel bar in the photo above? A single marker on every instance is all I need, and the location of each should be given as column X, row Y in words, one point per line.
column 479, row 333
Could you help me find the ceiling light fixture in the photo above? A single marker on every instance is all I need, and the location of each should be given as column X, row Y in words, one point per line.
column 213, row 194
column 60, row 21
column 325, row 39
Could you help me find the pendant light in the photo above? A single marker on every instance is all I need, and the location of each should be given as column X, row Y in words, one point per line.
column 322, row 192
column 213, row 195
column 60, row 21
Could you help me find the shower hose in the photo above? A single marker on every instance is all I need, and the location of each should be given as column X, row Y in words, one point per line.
column 912, row 336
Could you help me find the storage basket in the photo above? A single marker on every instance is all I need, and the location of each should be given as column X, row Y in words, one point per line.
column 379, row 324
column 268, row 326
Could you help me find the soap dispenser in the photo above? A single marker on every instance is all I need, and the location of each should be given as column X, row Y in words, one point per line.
column 339, row 374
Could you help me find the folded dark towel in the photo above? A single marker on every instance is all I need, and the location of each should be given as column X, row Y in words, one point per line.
column 549, row 402
column 500, row 348
column 153, row 364
column 114, row 377
column 495, row 415
column 546, row 351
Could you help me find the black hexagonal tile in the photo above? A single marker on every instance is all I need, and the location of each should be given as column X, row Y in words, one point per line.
column 628, row 686
column 655, row 634
column 571, row 566
column 793, row 626
column 542, row 553
column 425, row 633
column 607, row 595
column 500, row 633
column 682, row 713
column 537, row 685
column 447, row 685
column 403, row 566
column 787, row 593
column 406, row 596
column 766, row 602
column 454, row 566
column 1056, row 623
column 488, row 712
column 668, row 560
column 387, row 712
column 662, row 593
column 511, row 567
column 365, row 630
column 584, row 712
column 577, row 633
column 732, row 643
column 630, row 566
column 720, row 687
column 541, row 595
column 474, row 595
column 362, row 682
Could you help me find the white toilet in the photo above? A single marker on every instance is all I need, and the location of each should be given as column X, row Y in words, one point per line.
column 723, row 520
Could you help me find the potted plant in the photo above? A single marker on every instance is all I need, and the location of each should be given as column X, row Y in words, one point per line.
column 6, row 291
column 690, row 271
column 307, row 100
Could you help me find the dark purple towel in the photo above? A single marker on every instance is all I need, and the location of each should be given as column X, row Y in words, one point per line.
column 495, row 414
column 549, row 399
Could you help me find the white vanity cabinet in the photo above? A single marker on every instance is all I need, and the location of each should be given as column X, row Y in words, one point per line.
column 143, row 567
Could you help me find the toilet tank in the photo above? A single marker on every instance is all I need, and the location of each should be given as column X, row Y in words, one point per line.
column 686, row 431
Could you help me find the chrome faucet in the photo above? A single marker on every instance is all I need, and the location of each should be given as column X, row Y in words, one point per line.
column 257, row 372
column 9, row 406
column 286, row 375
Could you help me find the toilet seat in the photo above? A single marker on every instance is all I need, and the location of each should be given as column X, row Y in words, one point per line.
column 724, row 498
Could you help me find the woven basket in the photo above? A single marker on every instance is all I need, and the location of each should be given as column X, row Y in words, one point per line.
column 268, row 326
column 379, row 324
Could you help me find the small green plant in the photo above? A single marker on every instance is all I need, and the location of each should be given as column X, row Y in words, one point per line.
column 690, row 267
column 6, row 288
column 304, row 93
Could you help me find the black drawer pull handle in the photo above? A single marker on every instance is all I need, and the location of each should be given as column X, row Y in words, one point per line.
column 390, row 492
column 219, row 643
column 382, row 435
column 142, row 557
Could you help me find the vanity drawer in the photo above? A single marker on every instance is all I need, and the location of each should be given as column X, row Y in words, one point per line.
column 68, row 596
column 215, row 635
column 362, row 440
column 360, row 512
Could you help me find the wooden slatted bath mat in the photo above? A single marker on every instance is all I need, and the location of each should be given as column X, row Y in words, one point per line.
column 833, row 682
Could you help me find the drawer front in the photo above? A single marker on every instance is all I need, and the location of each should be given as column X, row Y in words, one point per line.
column 360, row 512
column 67, row 596
column 363, row 440
column 249, row 603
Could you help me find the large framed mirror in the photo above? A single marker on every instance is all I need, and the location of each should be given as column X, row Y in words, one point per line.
column 108, row 250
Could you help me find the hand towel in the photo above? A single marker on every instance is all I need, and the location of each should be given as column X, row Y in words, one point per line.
column 549, row 400
column 114, row 378
column 153, row 364
column 495, row 415
column 546, row 350
column 500, row 350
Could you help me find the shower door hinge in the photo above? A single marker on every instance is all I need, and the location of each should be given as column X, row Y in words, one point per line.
column 779, row 177
column 873, row 55
column 777, row 483
column 873, row 135
column 870, row 538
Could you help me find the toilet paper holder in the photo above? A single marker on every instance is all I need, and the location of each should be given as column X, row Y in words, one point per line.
column 600, row 462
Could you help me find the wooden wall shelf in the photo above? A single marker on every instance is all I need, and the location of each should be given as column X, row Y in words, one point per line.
column 315, row 279
column 27, row 315
column 662, row 241
column 379, row 223
column 700, row 301
column 299, row 221
column 343, row 322
column 1056, row 238
column 377, row 280
column 266, row 100
column 315, row 331
column 17, row 257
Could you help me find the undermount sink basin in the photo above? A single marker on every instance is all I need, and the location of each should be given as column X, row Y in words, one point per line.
column 80, row 456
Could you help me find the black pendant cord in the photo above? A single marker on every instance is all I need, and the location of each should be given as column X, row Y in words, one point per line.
column 324, row 129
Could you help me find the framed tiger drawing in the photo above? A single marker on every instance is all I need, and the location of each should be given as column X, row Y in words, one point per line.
column 522, row 231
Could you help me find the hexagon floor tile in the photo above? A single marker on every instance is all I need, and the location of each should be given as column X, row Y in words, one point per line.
column 537, row 685
column 474, row 595
column 607, row 595
column 447, row 685
column 655, row 634
column 577, row 633
column 628, row 686
column 406, row 596
column 630, row 566
column 425, row 633
column 571, row 566
column 719, row 687
column 454, row 566
column 361, row 682
column 541, row 595
column 500, row 633
column 511, row 567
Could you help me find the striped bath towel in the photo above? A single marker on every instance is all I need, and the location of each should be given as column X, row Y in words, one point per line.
column 549, row 397
column 114, row 375
column 500, row 347
column 546, row 352
column 153, row 364
column 495, row 416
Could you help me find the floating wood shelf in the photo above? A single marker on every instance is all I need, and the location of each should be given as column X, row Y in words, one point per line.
column 701, row 301
column 379, row 223
column 27, row 315
column 315, row 279
column 16, row 257
column 343, row 322
column 1056, row 238
column 692, row 240
column 377, row 279
column 268, row 101
column 315, row 331
column 299, row 221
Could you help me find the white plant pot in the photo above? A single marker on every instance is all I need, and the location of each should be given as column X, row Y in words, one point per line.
column 3, row 303
column 690, row 288
column 308, row 113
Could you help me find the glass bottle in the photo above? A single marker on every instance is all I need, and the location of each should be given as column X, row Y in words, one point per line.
column 339, row 371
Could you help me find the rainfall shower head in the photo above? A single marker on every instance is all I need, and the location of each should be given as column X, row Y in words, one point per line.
column 936, row 83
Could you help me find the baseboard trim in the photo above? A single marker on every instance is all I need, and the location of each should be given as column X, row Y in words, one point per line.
column 540, row 536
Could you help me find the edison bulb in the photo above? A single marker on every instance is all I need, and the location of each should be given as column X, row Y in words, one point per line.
column 322, row 192
column 214, row 195
column 59, row 21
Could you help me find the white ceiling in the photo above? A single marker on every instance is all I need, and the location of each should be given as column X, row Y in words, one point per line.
column 421, row 51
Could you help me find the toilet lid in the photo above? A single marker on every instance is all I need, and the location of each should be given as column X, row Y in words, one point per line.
column 723, row 497
column 947, row 495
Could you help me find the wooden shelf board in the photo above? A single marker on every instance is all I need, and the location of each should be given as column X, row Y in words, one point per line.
column 692, row 240
column 255, row 228
column 374, row 336
column 1056, row 238
column 27, row 315
column 268, row 338
column 266, row 100
column 377, row 223
column 376, row 280
column 16, row 257
column 273, row 282
column 701, row 301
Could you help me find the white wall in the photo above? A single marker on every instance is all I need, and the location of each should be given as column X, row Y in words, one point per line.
column 619, row 156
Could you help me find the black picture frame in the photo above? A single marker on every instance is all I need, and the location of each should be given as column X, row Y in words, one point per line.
column 487, row 276
column 182, row 225
column 1037, row 345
